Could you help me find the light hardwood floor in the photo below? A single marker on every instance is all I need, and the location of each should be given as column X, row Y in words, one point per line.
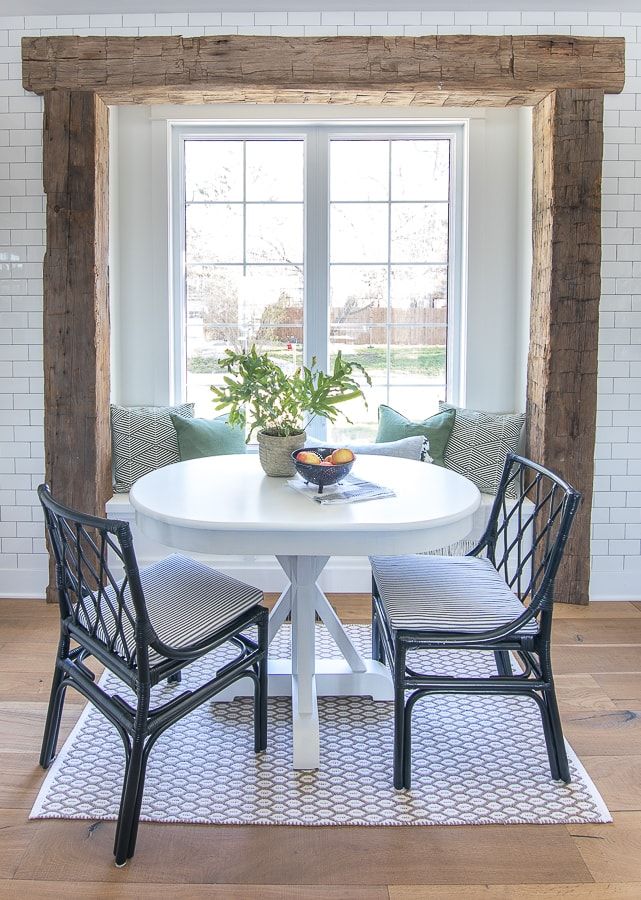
column 598, row 661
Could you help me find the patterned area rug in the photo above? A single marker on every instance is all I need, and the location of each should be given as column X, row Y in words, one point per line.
column 476, row 760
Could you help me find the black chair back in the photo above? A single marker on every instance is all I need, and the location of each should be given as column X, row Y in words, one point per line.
column 104, row 611
column 528, row 528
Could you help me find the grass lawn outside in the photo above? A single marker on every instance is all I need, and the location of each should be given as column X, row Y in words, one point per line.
column 428, row 361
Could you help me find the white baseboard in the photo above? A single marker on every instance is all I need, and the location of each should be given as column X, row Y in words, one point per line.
column 19, row 584
column 615, row 586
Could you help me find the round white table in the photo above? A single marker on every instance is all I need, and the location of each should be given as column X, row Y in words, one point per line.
column 227, row 505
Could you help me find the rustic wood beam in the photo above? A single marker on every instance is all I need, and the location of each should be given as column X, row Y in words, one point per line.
column 76, row 301
column 151, row 69
column 564, row 320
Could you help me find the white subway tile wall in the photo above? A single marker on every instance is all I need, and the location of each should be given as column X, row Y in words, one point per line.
column 616, row 544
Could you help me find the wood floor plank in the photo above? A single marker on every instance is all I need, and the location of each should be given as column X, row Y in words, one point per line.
column 610, row 609
column 516, row 892
column 614, row 732
column 597, row 631
column 581, row 692
column 54, row 890
column 621, row 688
column 618, row 779
column 40, row 658
column 71, row 850
column 611, row 852
column 21, row 779
column 596, row 660
column 31, row 687
column 30, row 609
column 31, row 719
column 16, row 835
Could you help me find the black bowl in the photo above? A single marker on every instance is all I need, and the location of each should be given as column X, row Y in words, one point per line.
column 321, row 475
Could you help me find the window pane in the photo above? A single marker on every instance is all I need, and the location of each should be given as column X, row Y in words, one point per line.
column 417, row 403
column 418, row 294
column 274, row 170
column 359, row 170
column 358, row 294
column 420, row 170
column 213, row 170
column 419, row 232
column 262, row 295
column 417, row 355
column 275, row 233
column 358, row 233
column 214, row 233
column 364, row 344
column 364, row 419
column 204, row 352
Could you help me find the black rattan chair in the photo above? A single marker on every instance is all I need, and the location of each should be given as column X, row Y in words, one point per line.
column 143, row 628
column 498, row 598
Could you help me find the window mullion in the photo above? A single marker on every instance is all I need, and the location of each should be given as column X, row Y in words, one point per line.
column 316, row 265
column 389, row 266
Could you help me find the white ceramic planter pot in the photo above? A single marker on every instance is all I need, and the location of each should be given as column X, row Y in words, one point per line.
column 275, row 453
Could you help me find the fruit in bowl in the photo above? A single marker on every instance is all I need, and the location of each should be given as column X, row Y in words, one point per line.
column 323, row 465
column 342, row 455
column 308, row 457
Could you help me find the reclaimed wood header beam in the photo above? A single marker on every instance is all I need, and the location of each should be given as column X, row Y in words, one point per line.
column 519, row 69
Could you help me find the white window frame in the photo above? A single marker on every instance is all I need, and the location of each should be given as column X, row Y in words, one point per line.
column 316, row 137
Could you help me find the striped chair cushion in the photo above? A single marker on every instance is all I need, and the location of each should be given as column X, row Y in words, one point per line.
column 445, row 593
column 186, row 601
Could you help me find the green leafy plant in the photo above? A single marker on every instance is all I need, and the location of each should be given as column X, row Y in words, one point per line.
column 258, row 391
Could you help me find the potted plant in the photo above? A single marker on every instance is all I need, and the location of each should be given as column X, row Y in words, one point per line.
column 279, row 407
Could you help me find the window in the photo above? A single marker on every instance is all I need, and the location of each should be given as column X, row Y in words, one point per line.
column 307, row 241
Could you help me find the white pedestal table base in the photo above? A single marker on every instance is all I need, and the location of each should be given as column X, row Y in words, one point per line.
column 304, row 677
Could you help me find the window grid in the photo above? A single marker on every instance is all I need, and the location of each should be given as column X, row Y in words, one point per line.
column 324, row 135
column 389, row 323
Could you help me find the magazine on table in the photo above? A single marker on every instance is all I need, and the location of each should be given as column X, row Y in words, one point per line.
column 349, row 490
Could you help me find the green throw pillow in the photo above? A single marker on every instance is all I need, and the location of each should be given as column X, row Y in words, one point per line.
column 207, row 437
column 394, row 426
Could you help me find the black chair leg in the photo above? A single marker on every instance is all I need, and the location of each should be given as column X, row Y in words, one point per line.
column 503, row 662
column 128, row 802
column 378, row 651
column 552, row 721
column 261, row 691
column 399, row 740
column 136, row 815
column 399, row 716
column 563, row 767
column 176, row 678
column 407, row 746
column 549, row 738
column 54, row 711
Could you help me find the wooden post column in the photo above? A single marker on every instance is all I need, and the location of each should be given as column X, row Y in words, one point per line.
column 76, row 301
column 564, row 320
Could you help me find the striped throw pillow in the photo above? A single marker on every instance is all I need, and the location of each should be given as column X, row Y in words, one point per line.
column 479, row 444
column 143, row 438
